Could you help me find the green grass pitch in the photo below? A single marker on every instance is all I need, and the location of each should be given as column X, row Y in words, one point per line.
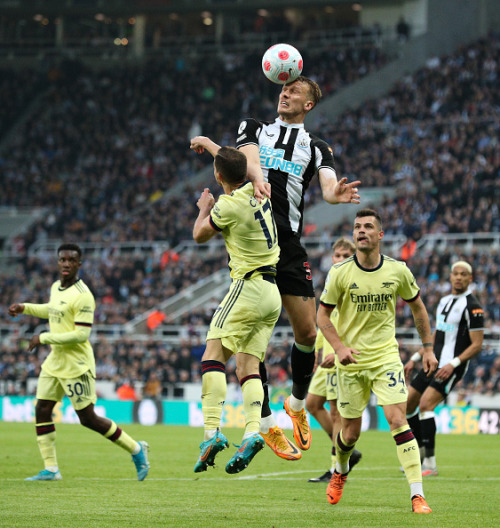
column 99, row 487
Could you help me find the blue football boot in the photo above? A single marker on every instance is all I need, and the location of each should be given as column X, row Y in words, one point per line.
column 141, row 461
column 209, row 450
column 246, row 451
column 45, row 474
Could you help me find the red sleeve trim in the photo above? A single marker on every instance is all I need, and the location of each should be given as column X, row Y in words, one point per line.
column 214, row 225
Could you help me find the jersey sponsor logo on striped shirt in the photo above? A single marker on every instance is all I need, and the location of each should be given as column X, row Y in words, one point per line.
column 273, row 159
column 442, row 325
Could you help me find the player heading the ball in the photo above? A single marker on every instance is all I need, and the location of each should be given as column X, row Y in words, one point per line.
column 282, row 63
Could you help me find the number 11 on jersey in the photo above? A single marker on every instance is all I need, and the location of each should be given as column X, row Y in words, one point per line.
column 260, row 217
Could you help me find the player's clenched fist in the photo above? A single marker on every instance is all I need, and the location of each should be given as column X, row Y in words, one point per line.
column 16, row 309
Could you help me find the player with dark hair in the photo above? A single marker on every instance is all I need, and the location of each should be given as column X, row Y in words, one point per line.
column 364, row 288
column 70, row 367
column 323, row 386
column 244, row 321
column 458, row 337
column 283, row 157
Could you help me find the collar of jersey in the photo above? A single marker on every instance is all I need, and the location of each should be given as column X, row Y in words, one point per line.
column 466, row 292
column 291, row 125
column 63, row 289
column 240, row 186
column 366, row 269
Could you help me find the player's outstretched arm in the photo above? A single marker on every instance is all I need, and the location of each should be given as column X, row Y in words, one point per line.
column 203, row 230
column 201, row 143
column 337, row 191
column 423, row 326
column 16, row 309
column 254, row 171
column 38, row 310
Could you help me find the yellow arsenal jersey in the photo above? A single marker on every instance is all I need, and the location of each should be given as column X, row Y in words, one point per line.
column 70, row 312
column 248, row 229
column 366, row 302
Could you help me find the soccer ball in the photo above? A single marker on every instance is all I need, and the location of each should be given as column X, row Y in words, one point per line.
column 282, row 63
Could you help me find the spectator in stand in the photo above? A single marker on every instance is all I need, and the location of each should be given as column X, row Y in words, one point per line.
column 126, row 392
column 403, row 30
column 152, row 388
column 493, row 378
column 155, row 319
column 478, row 382
column 493, row 307
column 409, row 248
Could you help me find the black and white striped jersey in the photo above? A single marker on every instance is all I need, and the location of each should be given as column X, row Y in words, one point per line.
column 289, row 157
column 456, row 316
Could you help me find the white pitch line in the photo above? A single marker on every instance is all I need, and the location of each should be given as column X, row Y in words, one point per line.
column 281, row 475
column 276, row 474
column 270, row 479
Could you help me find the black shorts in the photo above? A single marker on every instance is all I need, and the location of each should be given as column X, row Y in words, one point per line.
column 294, row 276
column 420, row 382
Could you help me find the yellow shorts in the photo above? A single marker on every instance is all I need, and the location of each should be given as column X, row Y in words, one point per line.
column 324, row 383
column 80, row 391
column 245, row 319
column 387, row 382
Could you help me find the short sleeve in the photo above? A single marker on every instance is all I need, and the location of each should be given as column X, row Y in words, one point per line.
column 248, row 133
column 408, row 289
column 84, row 308
column 221, row 215
column 330, row 295
column 324, row 155
column 476, row 314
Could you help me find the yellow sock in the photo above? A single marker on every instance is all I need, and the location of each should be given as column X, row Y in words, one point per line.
column 122, row 439
column 343, row 453
column 213, row 396
column 408, row 453
column 253, row 396
column 334, row 460
column 46, row 438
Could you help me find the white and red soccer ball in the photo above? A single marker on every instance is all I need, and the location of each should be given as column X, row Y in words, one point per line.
column 282, row 63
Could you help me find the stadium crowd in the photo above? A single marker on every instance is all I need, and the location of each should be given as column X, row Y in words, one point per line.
column 434, row 138
column 124, row 285
column 125, row 134
column 435, row 128
column 20, row 88
column 127, row 360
